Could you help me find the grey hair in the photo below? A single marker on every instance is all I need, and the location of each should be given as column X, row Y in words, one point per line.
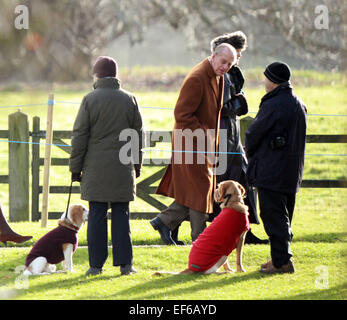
column 222, row 47
column 226, row 46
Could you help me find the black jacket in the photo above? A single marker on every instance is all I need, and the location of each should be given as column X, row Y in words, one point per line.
column 233, row 107
column 275, row 142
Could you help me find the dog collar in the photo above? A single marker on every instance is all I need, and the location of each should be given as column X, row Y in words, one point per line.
column 70, row 225
column 227, row 196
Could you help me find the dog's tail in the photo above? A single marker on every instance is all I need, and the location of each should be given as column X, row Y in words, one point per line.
column 160, row 273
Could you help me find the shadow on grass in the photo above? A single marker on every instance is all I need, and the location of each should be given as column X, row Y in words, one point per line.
column 338, row 293
column 145, row 290
column 9, row 268
column 65, row 283
column 322, row 237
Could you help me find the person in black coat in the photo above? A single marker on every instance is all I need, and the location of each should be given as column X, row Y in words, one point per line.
column 275, row 147
column 234, row 105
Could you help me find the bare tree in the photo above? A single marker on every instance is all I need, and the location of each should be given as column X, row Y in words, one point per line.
column 65, row 36
column 272, row 25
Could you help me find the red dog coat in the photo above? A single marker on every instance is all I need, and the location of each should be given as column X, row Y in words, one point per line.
column 219, row 239
column 50, row 246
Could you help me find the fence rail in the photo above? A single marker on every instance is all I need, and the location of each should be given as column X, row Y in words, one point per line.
column 145, row 190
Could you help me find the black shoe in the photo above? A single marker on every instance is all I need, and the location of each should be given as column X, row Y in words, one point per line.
column 174, row 236
column 165, row 232
column 127, row 269
column 94, row 271
column 252, row 239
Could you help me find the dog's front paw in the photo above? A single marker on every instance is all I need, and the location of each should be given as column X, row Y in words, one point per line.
column 229, row 270
column 26, row 272
column 240, row 269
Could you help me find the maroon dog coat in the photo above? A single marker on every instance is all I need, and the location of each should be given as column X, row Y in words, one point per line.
column 50, row 246
column 219, row 239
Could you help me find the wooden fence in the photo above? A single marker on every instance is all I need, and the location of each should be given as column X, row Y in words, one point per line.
column 18, row 177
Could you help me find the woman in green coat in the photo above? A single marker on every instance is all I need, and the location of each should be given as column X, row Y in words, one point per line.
column 99, row 160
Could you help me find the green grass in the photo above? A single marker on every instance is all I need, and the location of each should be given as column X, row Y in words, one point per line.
column 249, row 285
column 312, row 251
column 320, row 237
column 311, row 210
column 319, row 224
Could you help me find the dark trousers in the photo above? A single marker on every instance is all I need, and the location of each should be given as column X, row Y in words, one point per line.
column 120, row 231
column 176, row 213
column 276, row 211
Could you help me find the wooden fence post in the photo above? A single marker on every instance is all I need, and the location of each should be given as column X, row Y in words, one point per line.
column 47, row 162
column 18, row 166
column 35, row 170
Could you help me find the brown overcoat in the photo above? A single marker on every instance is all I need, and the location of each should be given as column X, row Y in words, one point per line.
column 198, row 107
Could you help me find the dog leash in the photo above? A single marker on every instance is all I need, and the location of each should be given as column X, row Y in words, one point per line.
column 68, row 201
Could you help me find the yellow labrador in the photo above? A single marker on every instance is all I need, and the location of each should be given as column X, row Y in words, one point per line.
column 227, row 232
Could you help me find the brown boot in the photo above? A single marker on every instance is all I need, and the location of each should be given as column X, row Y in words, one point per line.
column 286, row 268
column 7, row 234
column 266, row 264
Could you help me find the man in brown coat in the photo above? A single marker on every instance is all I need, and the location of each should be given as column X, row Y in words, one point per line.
column 190, row 178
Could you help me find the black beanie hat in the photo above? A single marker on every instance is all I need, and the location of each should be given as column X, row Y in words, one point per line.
column 105, row 67
column 277, row 72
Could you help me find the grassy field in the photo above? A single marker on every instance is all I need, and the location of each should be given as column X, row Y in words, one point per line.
column 319, row 225
column 319, row 257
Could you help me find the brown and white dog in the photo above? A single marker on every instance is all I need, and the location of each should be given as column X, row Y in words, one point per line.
column 58, row 245
column 227, row 231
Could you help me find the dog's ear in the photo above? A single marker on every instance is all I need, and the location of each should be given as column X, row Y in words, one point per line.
column 241, row 189
column 219, row 192
column 76, row 214
column 84, row 208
